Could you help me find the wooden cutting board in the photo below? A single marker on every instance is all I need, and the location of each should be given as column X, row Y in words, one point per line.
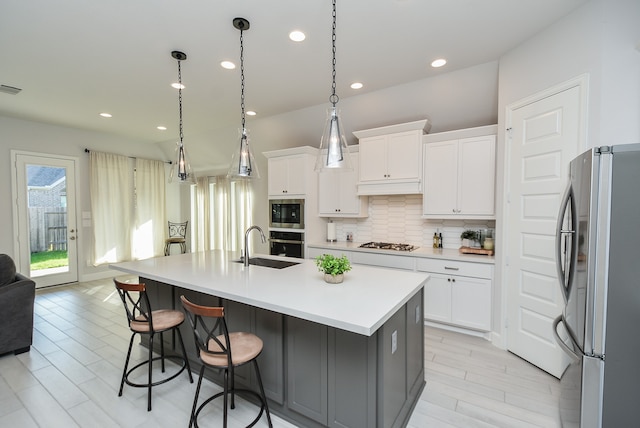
column 471, row 250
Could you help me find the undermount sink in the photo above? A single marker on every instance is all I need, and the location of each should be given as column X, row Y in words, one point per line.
column 276, row 264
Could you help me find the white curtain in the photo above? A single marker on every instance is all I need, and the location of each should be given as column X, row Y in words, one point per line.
column 202, row 226
column 231, row 213
column 111, row 187
column 151, row 224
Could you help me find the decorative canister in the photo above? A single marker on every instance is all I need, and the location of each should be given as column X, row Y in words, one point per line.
column 488, row 243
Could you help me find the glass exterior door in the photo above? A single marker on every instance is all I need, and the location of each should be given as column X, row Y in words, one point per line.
column 46, row 244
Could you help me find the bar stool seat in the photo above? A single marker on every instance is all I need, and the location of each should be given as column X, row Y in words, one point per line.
column 224, row 351
column 143, row 320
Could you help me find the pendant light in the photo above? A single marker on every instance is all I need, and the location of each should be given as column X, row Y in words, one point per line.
column 243, row 164
column 333, row 153
column 181, row 172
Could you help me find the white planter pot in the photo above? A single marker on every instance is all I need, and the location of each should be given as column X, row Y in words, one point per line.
column 333, row 279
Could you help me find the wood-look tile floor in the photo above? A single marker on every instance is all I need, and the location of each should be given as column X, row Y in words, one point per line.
column 70, row 378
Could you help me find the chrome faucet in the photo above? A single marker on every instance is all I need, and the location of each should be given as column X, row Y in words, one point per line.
column 246, row 242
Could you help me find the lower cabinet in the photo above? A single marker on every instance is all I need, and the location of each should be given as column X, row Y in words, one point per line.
column 320, row 376
column 307, row 369
column 342, row 379
column 458, row 293
column 268, row 326
column 367, row 258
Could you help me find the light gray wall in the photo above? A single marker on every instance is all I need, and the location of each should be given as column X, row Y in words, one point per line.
column 44, row 138
column 600, row 40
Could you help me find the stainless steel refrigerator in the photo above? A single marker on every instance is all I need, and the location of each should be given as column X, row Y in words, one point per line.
column 598, row 257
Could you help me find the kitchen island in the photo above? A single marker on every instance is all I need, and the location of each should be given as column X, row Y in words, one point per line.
column 347, row 355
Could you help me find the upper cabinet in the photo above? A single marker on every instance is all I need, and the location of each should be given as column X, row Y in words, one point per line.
column 290, row 172
column 460, row 174
column 338, row 192
column 391, row 159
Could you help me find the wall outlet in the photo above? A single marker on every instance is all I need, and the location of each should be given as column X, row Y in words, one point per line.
column 394, row 341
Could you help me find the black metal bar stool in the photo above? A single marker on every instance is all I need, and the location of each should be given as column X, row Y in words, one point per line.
column 143, row 320
column 219, row 349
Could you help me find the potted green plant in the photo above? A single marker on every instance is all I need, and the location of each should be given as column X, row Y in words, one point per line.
column 333, row 267
column 469, row 237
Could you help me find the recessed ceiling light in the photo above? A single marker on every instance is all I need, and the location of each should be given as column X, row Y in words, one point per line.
column 251, row 113
column 356, row 85
column 438, row 63
column 162, row 128
column 297, row 36
column 228, row 65
column 177, row 85
column 106, row 115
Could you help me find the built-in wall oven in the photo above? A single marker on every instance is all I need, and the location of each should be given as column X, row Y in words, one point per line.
column 286, row 213
column 289, row 244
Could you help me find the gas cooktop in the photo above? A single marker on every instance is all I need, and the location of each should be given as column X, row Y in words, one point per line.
column 389, row 246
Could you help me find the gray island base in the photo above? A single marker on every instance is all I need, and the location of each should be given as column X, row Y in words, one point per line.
column 325, row 362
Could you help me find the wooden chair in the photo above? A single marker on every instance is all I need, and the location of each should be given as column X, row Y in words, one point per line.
column 145, row 321
column 219, row 349
column 177, row 235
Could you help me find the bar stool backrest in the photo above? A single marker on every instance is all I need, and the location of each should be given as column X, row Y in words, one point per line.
column 136, row 304
column 209, row 329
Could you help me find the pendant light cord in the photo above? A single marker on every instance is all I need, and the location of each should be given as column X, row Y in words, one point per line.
column 242, row 78
column 180, row 99
column 333, row 99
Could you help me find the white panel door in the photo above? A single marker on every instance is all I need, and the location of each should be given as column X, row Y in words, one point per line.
column 544, row 139
column 44, row 189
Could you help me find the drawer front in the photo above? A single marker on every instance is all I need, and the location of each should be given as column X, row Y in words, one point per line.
column 313, row 252
column 451, row 267
column 384, row 260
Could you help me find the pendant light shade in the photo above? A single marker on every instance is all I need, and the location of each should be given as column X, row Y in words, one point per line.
column 243, row 164
column 334, row 153
column 181, row 170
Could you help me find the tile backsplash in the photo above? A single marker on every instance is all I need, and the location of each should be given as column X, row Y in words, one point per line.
column 397, row 218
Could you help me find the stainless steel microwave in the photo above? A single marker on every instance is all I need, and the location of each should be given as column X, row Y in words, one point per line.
column 286, row 213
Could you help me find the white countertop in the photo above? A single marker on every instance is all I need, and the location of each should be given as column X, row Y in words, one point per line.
column 366, row 299
column 424, row 252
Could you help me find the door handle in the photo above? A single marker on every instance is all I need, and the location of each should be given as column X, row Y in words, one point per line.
column 561, row 343
column 72, row 238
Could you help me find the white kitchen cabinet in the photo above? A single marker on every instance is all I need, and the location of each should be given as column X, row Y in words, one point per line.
column 458, row 293
column 291, row 172
column 459, row 176
column 391, row 159
column 338, row 193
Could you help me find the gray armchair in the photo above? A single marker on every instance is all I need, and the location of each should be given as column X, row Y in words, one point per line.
column 17, row 294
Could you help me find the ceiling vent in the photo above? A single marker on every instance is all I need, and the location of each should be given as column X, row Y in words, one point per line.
column 9, row 90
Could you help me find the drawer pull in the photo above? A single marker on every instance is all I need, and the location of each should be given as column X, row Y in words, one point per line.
column 451, row 268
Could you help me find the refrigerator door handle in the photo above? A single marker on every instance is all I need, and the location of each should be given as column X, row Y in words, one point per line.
column 564, row 275
column 573, row 354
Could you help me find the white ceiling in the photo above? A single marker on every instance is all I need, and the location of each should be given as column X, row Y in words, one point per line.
column 76, row 58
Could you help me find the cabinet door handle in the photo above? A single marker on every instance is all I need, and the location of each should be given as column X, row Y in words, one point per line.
column 451, row 268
